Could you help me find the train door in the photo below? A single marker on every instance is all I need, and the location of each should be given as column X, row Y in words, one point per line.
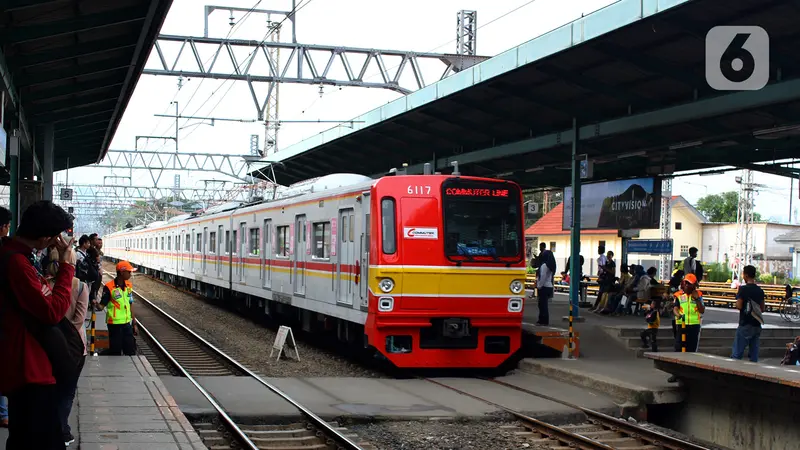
column 220, row 245
column 204, row 250
column 191, row 253
column 364, row 253
column 345, row 257
column 179, row 253
column 266, row 255
column 300, row 236
column 242, row 249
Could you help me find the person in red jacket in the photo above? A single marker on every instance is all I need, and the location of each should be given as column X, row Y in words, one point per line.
column 27, row 377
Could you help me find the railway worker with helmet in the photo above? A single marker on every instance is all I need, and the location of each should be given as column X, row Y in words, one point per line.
column 688, row 309
column 118, row 300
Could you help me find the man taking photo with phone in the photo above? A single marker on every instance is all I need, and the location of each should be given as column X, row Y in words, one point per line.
column 30, row 306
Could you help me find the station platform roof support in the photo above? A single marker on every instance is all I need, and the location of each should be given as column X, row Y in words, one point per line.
column 632, row 75
column 67, row 71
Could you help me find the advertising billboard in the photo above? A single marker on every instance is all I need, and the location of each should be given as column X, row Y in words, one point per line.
column 3, row 146
column 617, row 205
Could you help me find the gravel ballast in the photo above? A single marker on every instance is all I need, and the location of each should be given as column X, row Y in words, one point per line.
column 441, row 435
column 247, row 342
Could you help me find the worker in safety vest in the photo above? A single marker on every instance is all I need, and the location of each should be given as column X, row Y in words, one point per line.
column 688, row 312
column 118, row 300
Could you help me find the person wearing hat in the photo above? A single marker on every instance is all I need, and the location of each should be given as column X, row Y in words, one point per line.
column 118, row 300
column 688, row 312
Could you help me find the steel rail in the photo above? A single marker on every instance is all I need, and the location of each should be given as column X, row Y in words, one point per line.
column 653, row 437
column 344, row 441
column 552, row 431
column 229, row 423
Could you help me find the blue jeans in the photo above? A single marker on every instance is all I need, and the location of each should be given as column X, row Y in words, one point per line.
column 66, row 398
column 746, row 335
column 3, row 408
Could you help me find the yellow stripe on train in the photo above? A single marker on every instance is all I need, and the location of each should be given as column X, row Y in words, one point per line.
column 430, row 280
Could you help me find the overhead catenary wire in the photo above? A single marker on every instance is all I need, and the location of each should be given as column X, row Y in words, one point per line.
column 375, row 75
column 269, row 33
column 232, row 30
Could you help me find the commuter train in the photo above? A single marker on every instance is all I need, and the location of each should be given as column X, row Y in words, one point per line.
column 429, row 270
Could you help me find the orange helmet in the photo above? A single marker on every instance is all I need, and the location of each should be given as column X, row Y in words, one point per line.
column 691, row 279
column 125, row 266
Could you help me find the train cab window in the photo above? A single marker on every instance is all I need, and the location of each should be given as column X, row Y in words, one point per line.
column 282, row 241
column 321, row 243
column 227, row 241
column 389, row 226
column 482, row 221
column 212, row 242
column 253, row 242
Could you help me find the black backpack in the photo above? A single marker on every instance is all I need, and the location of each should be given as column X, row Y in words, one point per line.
column 61, row 342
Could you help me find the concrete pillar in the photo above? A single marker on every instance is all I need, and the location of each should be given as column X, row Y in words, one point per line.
column 47, row 169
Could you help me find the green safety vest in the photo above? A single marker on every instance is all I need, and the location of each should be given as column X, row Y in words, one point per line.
column 688, row 308
column 118, row 310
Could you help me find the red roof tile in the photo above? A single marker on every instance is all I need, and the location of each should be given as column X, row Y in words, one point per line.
column 551, row 225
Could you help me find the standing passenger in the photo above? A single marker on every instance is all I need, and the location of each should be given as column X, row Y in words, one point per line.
column 76, row 314
column 118, row 301
column 544, row 283
column 5, row 228
column 27, row 374
column 750, row 302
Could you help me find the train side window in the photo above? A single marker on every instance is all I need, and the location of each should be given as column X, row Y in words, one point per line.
column 199, row 246
column 352, row 227
column 255, row 245
column 169, row 242
column 234, row 241
column 227, row 241
column 186, row 243
column 212, row 242
column 388, row 226
column 282, row 244
column 162, row 243
column 322, row 240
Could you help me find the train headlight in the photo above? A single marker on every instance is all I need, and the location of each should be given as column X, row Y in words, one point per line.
column 514, row 305
column 386, row 285
column 516, row 287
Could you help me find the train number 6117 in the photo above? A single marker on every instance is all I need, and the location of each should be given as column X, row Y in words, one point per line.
column 419, row 190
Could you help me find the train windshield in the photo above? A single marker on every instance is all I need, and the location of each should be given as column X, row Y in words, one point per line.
column 482, row 221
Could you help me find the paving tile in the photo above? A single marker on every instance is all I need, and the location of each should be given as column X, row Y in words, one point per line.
column 127, row 438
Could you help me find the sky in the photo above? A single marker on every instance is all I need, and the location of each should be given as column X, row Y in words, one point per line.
column 414, row 25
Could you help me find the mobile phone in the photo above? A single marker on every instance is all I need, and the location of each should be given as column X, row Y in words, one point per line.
column 66, row 236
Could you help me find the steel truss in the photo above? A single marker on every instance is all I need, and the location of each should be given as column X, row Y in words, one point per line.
column 234, row 166
column 301, row 65
column 666, row 226
column 217, row 191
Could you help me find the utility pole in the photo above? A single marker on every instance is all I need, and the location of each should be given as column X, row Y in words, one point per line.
column 271, row 116
column 744, row 221
column 467, row 33
column 666, row 226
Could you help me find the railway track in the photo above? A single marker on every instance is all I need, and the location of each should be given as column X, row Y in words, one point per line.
column 189, row 355
column 599, row 431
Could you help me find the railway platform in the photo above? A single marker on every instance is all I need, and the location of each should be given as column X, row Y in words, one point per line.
column 612, row 360
column 724, row 394
column 122, row 404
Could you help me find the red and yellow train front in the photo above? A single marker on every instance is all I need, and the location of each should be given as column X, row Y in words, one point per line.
column 447, row 271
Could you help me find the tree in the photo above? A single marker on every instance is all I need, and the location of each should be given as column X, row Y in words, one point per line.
column 721, row 207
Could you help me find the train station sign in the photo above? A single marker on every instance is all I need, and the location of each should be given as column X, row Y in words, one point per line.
column 649, row 246
column 617, row 205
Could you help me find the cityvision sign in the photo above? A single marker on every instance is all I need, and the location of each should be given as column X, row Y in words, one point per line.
column 617, row 205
